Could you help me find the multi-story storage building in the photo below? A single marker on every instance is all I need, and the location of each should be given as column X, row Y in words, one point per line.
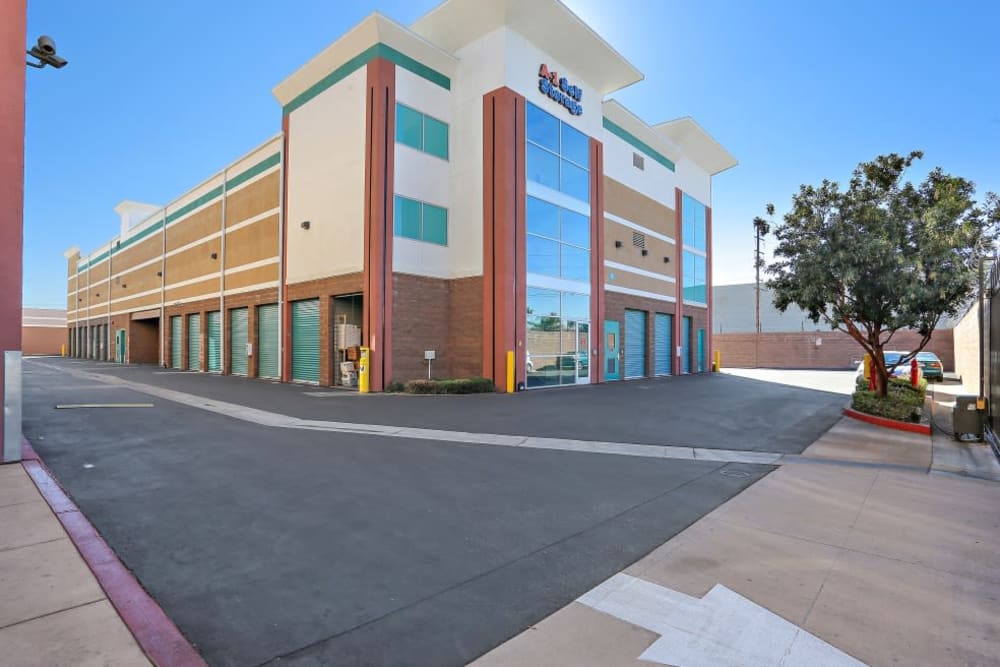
column 464, row 185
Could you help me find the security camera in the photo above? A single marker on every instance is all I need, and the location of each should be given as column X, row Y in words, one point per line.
column 45, row 52
column 47, row 45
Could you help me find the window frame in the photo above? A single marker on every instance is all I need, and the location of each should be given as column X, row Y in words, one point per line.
column 397, row 223
column 423, row 132
column 558, row 154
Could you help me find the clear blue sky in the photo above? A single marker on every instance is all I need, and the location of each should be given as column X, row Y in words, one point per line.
column 160, row 95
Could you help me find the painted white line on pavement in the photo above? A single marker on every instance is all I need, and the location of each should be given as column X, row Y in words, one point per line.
column 276, row 420
column 722, row 628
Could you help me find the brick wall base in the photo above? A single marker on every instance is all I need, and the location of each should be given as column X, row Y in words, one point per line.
column 799, row 349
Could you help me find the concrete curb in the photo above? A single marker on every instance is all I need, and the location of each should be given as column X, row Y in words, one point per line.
column 155, row 633
column 923, row 429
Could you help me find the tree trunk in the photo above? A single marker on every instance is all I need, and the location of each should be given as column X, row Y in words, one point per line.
column 881, row 373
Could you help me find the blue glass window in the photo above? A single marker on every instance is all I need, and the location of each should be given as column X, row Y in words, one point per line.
column 575, row 263
column 543, row 128
column 575, row 228
column 543, row 218
column 542, row 167
column 695, row 278
column 694, row 223
column 542, row 256
column 558, row 154
column 574, row 181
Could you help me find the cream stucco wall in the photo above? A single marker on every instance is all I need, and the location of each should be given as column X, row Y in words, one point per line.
column 326, row 182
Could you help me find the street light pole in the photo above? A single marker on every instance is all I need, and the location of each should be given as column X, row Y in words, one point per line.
column 761, row 228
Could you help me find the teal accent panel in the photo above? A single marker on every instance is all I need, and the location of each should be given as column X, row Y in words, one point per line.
column 213, row 321
column 636, row 142
column 305, row 340
column 176, row 342
column 686, row 345
column 372, row 52
column 267, row 341
column 663, row 344
column 238, row 329
column 701, row 351
column 435, row 137
column 435, row 224
column 635, row 344
column 194, row 342
column 239, row 179
column 612, row 343
column 257, row 169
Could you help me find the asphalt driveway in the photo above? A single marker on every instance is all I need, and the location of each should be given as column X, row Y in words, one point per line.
column 273, row 546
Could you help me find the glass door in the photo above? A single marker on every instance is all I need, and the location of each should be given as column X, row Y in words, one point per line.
column 582, row 356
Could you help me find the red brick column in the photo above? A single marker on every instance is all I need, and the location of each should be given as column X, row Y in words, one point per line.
column 504, row 259
column 708, row 288
column 12, row 78
column 596, row 261
column 380, row 123
column 679, row 314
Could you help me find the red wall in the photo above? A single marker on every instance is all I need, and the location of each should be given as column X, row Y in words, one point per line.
column 12, row 76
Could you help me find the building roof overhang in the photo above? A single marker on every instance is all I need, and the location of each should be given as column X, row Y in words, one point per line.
column 697, row 144
column 547, row 23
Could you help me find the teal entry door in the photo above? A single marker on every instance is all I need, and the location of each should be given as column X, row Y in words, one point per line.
column 120, row 346
column 701, row 350
column 612, row 350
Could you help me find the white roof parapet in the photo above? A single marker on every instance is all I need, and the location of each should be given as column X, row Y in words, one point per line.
column 568, row 39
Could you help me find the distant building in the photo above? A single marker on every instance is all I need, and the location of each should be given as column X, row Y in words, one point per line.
column 792, row 340
column 43, row 330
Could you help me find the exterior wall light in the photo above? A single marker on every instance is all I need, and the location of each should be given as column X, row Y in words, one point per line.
column 645, row 252
column 618, row 244
column 666, row 260
column 159, row 274
column 215, row 255
column 305, row 224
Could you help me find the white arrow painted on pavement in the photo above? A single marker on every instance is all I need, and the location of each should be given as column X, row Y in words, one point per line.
column 721, row 629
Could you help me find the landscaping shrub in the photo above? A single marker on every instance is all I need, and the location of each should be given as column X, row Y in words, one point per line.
column 395, row 387
column 902, row 402
column 459, row 386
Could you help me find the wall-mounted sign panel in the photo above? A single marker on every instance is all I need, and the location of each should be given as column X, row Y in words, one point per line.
column 560, row 90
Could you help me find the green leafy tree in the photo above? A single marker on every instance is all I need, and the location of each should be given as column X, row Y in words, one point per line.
column 882, row 254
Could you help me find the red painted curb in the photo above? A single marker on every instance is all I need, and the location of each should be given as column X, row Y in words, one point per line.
column 923, row 429
column 156, row 634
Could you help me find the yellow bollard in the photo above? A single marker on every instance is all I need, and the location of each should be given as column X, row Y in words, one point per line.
column 510, row 371
column 717, row 364
column 868, row 366
column 62, row 349
column 363, row 370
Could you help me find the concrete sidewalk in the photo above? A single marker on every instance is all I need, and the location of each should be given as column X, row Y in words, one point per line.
column 52, row 610
column 849, row 554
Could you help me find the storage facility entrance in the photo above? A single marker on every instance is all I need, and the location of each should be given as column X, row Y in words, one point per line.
column 238, row 340
column 305, row 341
column 663, row 344
column 347, row 317
column 686, row 345
column 194, row 342
column 213, row 322
column 635, row 344
column 176, row 342
column 143, row 338
column 267, row 341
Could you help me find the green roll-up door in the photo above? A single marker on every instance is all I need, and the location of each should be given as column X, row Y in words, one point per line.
column 213, row 321
column 305, row 340
column 635, row 344
column 176, row 341
column 194, row 342
column 686, row 345
column 664, row 326
column 238, row 341
column 267, row 341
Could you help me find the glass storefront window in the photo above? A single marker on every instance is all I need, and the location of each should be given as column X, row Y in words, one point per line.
column 542, row 128
column 558, row 154
column 543, row 218
column 575, row 228
column 574, row 263
column 575, row 145
column 542, row 256
column 558, row 338
column 542, row 167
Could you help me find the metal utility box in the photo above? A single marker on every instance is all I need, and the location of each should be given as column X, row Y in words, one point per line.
column 967, row 418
